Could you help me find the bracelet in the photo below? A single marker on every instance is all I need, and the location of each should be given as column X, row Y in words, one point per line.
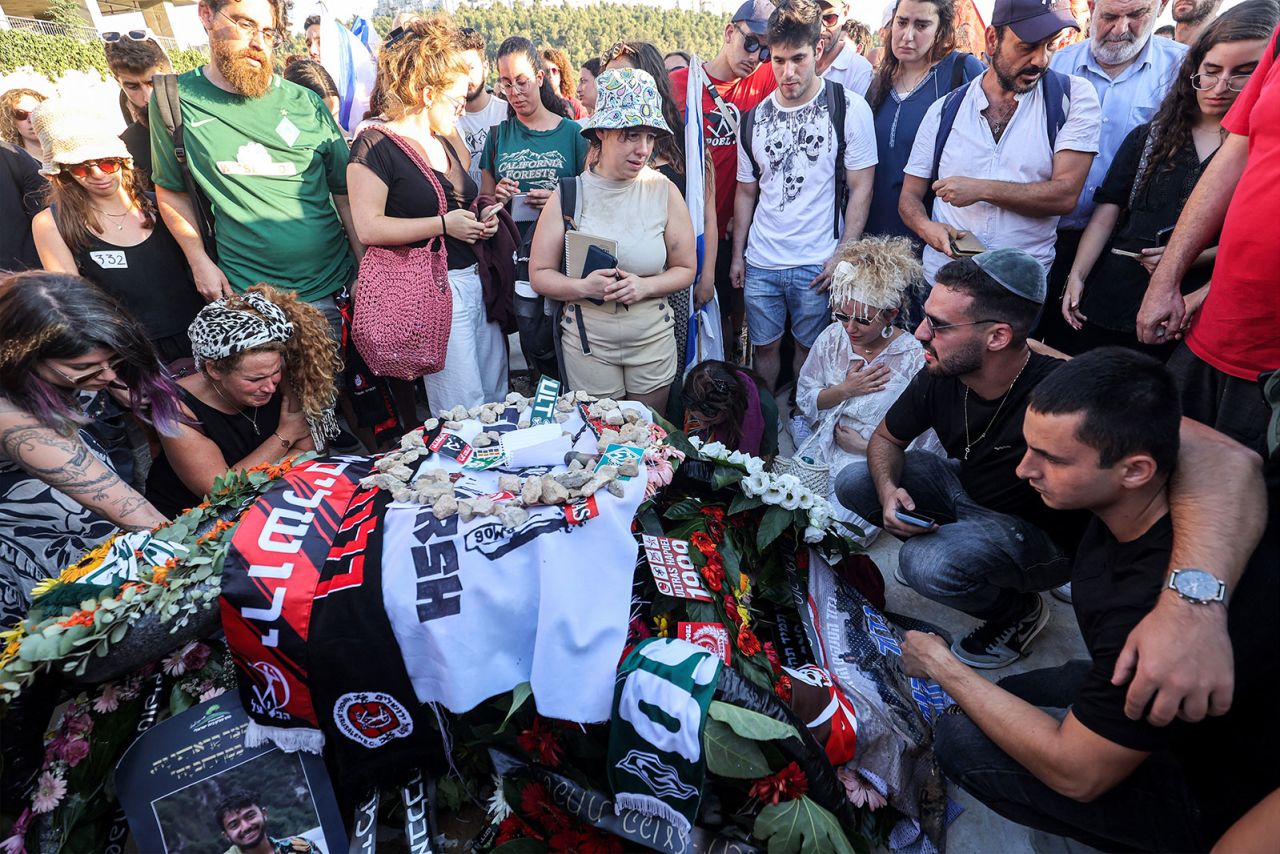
column 444, row 231
column 283, row 441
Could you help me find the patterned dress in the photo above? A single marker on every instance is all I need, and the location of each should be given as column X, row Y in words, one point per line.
column 42, row 531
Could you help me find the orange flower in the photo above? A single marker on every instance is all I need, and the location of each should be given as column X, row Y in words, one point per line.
column 216, row 531
column 703, row 543
column 748, row 643
column 79, row 618
column 159, row 574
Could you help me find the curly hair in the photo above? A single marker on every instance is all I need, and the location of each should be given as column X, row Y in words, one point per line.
column 887, row 271
column 568, row 77
column 1180, row 111
column 310, row 359
column 425, row 56
column 74, row 213
column 643, row 55
column 57, row 316
column 279, row 9
column 134, row 57
column 944, row 43
column 8, row 103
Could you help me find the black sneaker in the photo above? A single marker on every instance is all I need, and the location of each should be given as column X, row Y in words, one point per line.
column 998, row 643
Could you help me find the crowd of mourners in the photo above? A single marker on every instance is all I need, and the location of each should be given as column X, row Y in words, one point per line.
column 1021, row 306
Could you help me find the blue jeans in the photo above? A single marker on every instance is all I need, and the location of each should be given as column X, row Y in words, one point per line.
column 773, row 294
column 1152, row 810
column 982, row 563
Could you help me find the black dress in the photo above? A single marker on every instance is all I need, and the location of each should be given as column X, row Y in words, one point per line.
column 235, row 435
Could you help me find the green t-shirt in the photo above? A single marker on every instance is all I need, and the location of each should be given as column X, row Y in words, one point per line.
column 268, row 167
column 538, row 159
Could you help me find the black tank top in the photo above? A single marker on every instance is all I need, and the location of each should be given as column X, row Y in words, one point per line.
column 151, row 280
column 234, row 435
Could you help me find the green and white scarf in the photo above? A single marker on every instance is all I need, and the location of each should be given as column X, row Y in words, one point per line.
column 660, row 701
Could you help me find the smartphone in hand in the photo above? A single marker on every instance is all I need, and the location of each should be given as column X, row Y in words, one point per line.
column 911, row 517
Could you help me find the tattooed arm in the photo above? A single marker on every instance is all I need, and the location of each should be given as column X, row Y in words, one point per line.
column 66, row 464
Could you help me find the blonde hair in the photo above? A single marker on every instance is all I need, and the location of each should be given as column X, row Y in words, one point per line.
column 881, row 272
column 8, row 103
column 426, row 56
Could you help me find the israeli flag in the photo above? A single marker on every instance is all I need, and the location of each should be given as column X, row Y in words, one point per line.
column 704, row 324
column 348, row 59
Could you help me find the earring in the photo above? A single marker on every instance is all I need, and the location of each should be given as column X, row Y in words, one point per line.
column 887, row 332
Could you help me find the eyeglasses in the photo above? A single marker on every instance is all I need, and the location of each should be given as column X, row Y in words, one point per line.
column 520, row 83
column 113, row 366
column 830, row 19
column 21, row 115
column 249, row 29
column 395, row 37
column 131, row 35
column 751, row 44
column 935, row 327
column 459, row 104
column 1235, row 83
column 107, row 166
column 844, row 319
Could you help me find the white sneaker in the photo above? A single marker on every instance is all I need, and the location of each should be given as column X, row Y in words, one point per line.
column 1063, row 593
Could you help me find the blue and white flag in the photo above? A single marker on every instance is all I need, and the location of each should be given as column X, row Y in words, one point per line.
column 704, row 324
column 347, row 58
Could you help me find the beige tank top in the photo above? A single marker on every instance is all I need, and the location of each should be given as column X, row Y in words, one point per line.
column 632, row 212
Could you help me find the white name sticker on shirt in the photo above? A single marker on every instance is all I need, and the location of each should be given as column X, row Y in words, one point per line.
column 288, row 131
column 110, row 260
column 252, row 158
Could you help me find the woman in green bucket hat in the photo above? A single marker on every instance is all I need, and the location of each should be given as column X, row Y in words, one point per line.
column 617, row 325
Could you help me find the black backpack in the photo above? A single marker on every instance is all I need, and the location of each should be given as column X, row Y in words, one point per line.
column 169, row 103
column 836, row 107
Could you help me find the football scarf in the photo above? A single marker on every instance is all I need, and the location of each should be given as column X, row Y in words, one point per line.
column 268, row 583
column 663, row 691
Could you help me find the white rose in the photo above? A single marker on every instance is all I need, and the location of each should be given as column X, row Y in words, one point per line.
column 813, row 535
column 807, row 499
column 820, row 515
column 774, row 495
column 737, row 458
column 754, row 465
column 790, row 500
column 789, row 482
column 755, row 484
column 696, row 441
column 714, row 449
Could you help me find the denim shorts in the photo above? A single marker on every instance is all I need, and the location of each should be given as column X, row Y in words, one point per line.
column 773, row 294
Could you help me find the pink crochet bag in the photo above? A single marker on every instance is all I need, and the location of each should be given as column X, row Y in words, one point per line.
column 403, row 305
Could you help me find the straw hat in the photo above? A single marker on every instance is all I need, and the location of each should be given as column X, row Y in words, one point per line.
column 626, row 98
column 71, row 132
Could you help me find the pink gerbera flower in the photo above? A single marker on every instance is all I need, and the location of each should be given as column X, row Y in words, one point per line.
column 49, row 793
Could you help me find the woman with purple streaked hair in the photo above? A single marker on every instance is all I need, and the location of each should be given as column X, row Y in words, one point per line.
column 63, row 342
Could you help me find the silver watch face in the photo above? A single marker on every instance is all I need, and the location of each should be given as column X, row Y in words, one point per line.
column 1196, row 584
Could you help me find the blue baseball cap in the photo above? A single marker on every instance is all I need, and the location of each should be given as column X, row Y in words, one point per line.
column 1034, row 20
column 755, row 14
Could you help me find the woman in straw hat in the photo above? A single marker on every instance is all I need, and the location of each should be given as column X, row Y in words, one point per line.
column 861, row 362
column 616, row 329
column 101, row 225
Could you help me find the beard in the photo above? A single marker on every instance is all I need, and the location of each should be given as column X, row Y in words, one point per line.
column 474, row 90
column 1012, row 82
column 960, row 363
column 235, row 66
column 1200, row 9
column 1119, row 51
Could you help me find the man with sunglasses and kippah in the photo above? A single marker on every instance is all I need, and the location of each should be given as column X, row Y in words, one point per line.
column 270, row 159
column 739, row 77
column 840, row 60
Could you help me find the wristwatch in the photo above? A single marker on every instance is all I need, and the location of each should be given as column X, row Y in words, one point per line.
column 1198, row 586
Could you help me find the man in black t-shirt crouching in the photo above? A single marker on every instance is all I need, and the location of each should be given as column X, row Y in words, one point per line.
column 1102, row 434
column 995, row 544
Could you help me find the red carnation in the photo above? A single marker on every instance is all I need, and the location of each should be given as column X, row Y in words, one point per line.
column 713, row 574
column 748, row 643
column 783, row 688
column 539, row 741
column 787, row 785
column 703, row 543
column 731, row 607
column 772, row 654
column 716, row 513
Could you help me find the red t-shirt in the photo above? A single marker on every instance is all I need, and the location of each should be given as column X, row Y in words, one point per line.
column 1238, row 329
column 739, row 95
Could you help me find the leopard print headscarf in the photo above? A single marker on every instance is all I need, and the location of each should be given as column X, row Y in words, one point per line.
column 219, row 331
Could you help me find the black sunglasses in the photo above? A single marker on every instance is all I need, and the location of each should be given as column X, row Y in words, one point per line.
column 842, row 318
column 754, row 45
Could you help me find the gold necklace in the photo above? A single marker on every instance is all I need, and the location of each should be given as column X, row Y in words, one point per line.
column 119, row 216
column 968, row 446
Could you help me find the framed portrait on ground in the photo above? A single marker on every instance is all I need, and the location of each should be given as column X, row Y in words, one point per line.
column 190, row 786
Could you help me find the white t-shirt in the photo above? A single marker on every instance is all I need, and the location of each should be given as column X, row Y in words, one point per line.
column 1022, row 156
column 474, row 128
column 850, row 69
column 795, row 150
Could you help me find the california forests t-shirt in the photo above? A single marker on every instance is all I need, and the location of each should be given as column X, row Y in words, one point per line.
column 537, row 159
column 268, row 166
